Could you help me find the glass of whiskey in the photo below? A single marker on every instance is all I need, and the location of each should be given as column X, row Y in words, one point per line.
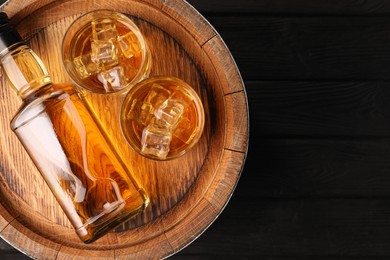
column 104, row 52
column 162, row 118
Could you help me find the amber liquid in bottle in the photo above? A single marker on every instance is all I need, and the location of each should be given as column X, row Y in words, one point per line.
column 89, row 180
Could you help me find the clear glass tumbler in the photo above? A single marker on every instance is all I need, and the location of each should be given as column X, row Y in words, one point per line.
column 162, row 118
column 104, row 52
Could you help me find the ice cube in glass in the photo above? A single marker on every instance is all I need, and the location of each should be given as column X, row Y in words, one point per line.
column 129, row 44
column 107, row 87
column 115, row 77
column 104, row 53
column 157, row 95
column 104, row 30
column 170, row 111
column 141, row 112
column 156, row 139
column 84, row 66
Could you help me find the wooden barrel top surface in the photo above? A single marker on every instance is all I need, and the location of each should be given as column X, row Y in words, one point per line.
column 187, row 194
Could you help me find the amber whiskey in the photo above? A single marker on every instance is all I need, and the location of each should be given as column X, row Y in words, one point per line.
column 162, row 118
column 105, row 52
column 88, row 178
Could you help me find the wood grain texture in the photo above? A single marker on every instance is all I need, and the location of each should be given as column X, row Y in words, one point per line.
column 77, row 253
column 34, row 245
column 315, row 183
column 224, row 64
column 237, row 117
column 146, row 250
column 176, row 35
column 232, row 162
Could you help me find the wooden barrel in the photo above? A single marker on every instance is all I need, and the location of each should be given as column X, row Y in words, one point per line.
column 187, row 194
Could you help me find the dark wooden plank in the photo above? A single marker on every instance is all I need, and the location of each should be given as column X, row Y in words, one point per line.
column 334, row 229
column 314, row 109
column 308, row 48
column 315, row 168
column 296, row 7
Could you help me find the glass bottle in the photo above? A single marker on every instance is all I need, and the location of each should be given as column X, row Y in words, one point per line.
column 74, row 156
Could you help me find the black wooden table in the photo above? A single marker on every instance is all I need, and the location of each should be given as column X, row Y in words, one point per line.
column 316, row 184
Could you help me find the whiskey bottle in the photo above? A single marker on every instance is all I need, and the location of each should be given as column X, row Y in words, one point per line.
column 80, row 165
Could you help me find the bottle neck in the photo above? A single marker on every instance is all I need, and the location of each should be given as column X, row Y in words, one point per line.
column 24, row 71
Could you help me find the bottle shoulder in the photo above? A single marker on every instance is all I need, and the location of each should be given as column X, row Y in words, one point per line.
column 37, row 105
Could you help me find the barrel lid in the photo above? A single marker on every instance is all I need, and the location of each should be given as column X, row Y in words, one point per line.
column 8, row 34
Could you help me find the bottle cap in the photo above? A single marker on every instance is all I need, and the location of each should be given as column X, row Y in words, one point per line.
column 8, row 34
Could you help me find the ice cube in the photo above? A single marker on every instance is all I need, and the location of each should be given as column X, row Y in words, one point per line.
column 104, row 30
column 141, row 112
column 84, row 66
column 185, row 130
column 157, row 95
column 115, row 77
column 104, row 53
column 170, row 112
column 107, row 87
column 129, row 44
column 156, row 140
